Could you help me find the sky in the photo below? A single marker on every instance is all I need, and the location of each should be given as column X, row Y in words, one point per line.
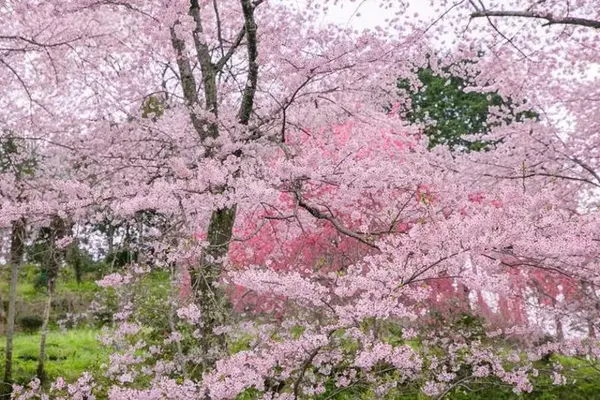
column 366, row 14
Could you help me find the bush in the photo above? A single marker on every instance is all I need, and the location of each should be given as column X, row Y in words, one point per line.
column 31, row 323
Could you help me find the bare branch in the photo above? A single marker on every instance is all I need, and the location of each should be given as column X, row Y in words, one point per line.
column 438, row 19
column 188, row 81
column 24, row 85
column 122, row 4
column 40, row 44
column 586, row 167
column 206, row 66
column 219, row 28
column 303, row 369
column 334, row 221
column 238, row 40
column 551, row 20
column 252, row 79
column 533, row 174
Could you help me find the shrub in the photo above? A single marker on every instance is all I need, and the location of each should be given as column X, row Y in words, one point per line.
column 30, row 323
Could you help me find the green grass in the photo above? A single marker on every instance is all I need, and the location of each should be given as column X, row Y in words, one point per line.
column 69, row 354
column 71, row 286
column 25, row 290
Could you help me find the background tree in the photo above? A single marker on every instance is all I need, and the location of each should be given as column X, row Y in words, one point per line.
column 17, row 163
column 451, row 114
column 52, row 237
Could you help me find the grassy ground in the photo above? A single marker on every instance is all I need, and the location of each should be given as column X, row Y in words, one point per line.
column 69, row 354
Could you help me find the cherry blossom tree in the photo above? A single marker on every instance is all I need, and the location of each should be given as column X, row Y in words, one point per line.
column 283, row 186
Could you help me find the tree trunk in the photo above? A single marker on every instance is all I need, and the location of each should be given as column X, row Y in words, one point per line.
column 560, row 333
column 2, row 315
column 41, row 371
column 174, row 302
column 110, row 238
column 17, row 250
column 210, row 298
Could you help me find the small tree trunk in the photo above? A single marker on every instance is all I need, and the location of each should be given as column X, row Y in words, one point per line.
column 591, row 319
column 173, row 300
column 2, row 316
column 57, row 230
column 110, row 238
column 17, row 250
column 41, row 372
column 591, row 330
column 560, row 334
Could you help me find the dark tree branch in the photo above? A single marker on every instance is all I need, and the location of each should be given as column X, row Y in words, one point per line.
column 306, row 364
column 238, row 40
column 122, row 4
column 534, row 174
column 252, row 48
column 207, row 69
column 334, row 221
column 219, row 28
column 303, row 369
column 586, row 167
column 550, row 19
column 40, row 44
column 289, row 103
column 188, row 81
column 508, row 40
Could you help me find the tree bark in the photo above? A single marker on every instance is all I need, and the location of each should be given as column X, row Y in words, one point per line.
column 560, row 333
column 41, row 371
column 2, row 316
column 17, row 250
column 209, row 297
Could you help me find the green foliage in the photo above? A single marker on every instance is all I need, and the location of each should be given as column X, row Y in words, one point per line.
column 241, row 344
column 70, row 297
column 153, row 107
column 38, row 253
column 16, row 156
column 41, row 281
column 76, row 258
column 450, row 113
column 120, row 258
column 149, row 301
column 30, row 323
column 469, row 326
column 80, row 260
column 297, row 331
column 106, row 305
